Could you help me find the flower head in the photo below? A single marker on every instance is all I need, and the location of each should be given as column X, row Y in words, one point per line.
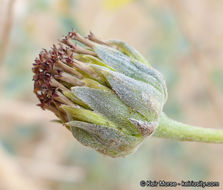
column 105, row 93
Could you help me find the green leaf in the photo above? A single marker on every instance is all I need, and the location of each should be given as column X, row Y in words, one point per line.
column 141, row 97
column 110, row 106
column 129, row 51
column 87, row 116
column 110, row 140
column 134, row 69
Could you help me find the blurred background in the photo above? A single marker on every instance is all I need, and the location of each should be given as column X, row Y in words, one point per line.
column 183, row 39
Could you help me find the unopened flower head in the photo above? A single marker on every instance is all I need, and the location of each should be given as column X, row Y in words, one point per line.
column 105, row 93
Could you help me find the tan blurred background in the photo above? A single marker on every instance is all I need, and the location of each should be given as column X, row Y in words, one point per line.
column 181, row 38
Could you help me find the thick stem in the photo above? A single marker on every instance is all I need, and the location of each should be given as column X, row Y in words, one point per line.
column 168, row 128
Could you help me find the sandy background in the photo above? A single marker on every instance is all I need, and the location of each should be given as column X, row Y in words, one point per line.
column 183, row 39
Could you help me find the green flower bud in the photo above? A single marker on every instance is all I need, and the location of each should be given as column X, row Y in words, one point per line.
column 105, row 93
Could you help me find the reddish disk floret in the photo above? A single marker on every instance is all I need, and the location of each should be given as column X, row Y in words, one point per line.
column 47, row 68
column 44, row 71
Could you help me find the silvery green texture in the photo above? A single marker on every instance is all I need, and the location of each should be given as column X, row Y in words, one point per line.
column 131, row 104
column 108, row 96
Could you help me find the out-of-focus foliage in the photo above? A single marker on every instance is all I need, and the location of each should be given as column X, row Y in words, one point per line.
column 114, row 4
column 182, row 39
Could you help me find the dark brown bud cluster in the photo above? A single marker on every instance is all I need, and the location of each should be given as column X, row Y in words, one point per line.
column 57, row 69
column 44, row 73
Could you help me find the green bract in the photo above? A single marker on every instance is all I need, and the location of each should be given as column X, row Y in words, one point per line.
column 105, row 93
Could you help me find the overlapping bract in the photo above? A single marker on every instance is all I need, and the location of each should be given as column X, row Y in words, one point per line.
column 104, row 92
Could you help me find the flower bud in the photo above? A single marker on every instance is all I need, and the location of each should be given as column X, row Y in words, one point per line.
column 105, row 93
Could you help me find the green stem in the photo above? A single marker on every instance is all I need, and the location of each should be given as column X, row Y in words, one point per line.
column 168, row 128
